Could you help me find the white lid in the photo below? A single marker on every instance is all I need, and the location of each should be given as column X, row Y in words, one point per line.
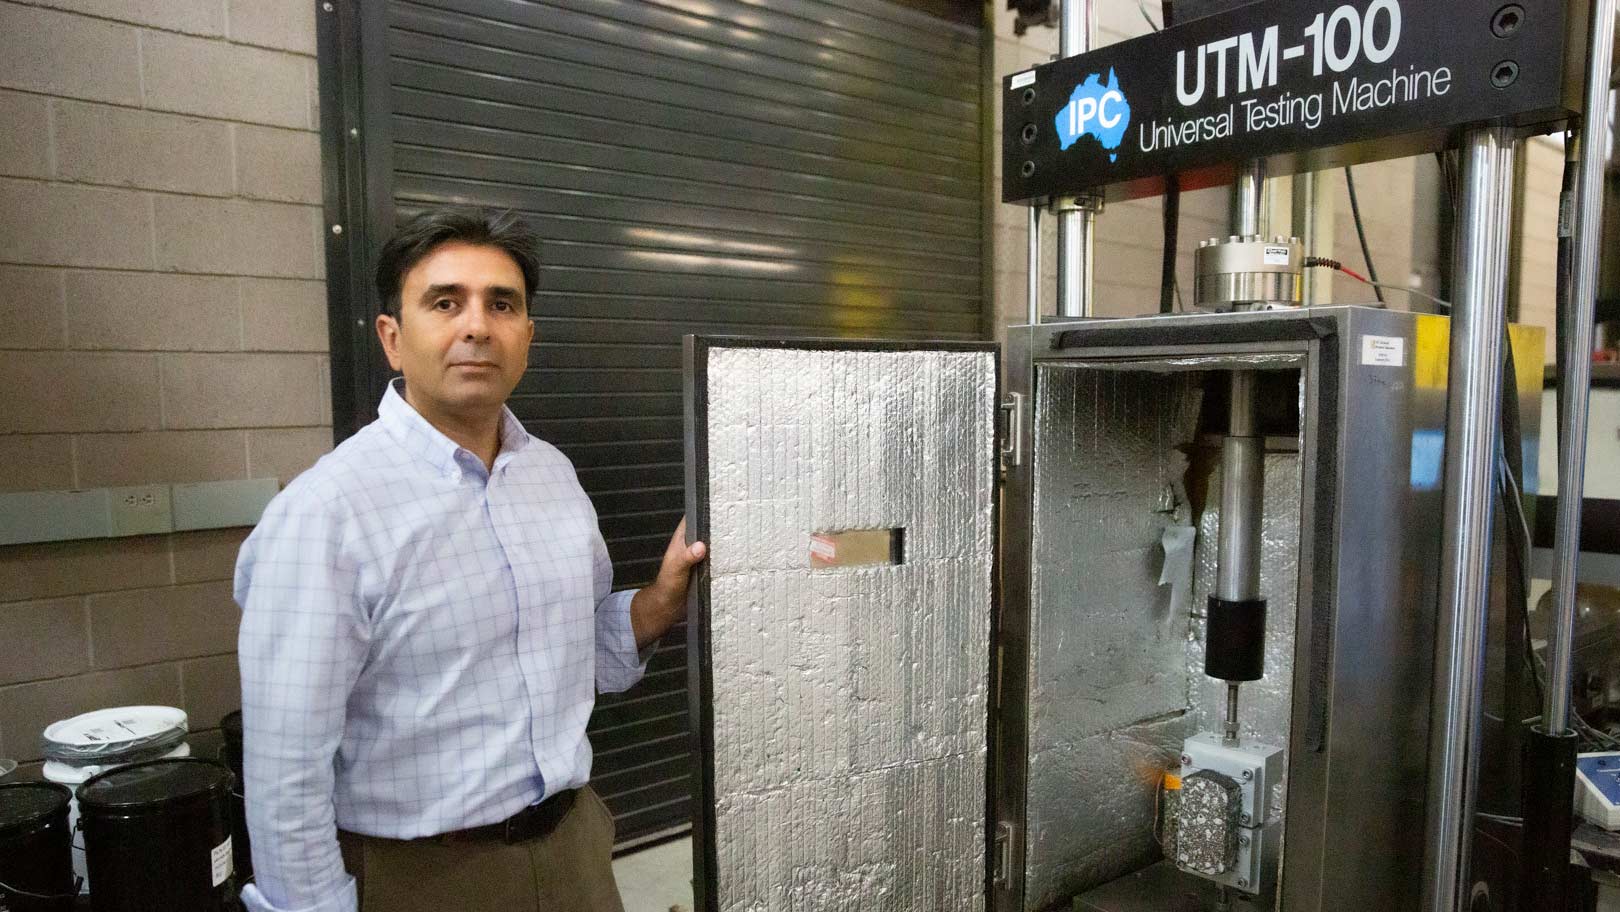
column 103, row 733
column 68, row 774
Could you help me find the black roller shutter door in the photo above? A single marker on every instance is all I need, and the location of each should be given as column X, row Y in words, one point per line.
column 792, row 167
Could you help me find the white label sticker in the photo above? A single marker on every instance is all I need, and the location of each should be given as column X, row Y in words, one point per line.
column 1386, row 351
column 1023, row 79
column 221, row 857
column 1276, row 256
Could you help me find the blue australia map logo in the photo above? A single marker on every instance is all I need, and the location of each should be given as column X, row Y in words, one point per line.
column 1097, row 109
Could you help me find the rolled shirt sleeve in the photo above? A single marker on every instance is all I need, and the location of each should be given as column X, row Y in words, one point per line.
column 303, row 641
column 619, row 665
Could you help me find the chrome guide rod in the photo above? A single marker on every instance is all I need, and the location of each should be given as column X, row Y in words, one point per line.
column 1577, row 350
column 1077, row 25
column 1237, row 575
column 1249, row 213
column 1472, row 407
column 1034, row 262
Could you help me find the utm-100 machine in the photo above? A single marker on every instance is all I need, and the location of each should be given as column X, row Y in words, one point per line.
column 1180, row 612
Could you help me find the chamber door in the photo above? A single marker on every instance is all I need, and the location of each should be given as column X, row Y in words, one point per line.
column 840, row 636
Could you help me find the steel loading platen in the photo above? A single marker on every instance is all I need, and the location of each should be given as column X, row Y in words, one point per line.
column 1304, row 85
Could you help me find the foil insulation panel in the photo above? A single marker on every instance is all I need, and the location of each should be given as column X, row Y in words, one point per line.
column 849, row 704
column 1108, row 690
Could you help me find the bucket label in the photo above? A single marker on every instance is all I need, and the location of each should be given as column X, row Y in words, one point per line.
column 221, row 858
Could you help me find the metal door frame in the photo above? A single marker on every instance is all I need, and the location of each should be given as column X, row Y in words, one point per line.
column 1316, row 335
column 358, row 205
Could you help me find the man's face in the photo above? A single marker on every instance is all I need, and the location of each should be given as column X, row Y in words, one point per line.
column 463, row 333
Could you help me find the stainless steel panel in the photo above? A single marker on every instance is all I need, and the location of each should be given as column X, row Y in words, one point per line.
column 849, row 705
column 1367, row 488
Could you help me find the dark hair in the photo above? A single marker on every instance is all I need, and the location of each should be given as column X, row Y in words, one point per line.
column 469, row 224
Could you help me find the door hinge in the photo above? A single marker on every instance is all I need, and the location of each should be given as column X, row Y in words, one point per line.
column 1012, row 444
column 1003, row 859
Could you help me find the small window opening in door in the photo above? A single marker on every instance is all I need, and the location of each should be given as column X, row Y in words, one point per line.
column 857, row 548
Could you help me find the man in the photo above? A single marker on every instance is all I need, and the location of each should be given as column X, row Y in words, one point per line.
column 425, row 614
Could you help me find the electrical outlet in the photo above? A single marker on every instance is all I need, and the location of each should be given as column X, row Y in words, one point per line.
column 139, row 500
column 140, row 510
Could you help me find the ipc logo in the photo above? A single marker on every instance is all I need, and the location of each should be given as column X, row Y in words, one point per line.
column 1096, row 109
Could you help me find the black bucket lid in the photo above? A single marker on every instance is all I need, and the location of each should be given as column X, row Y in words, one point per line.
column 24, row 805
column 154, row 783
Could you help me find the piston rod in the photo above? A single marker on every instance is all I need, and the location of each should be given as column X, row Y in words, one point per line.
column 1237, row 574
column 1033, row 255
column 1473, row 403
column 1551, row 751
column 1235, row 641
column 1076, row 26
column 1577, row 354
column 1235, row 647
column 1249, row 211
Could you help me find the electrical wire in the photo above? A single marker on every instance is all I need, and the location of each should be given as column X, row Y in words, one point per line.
column 1591, row 736
column 1142, row 5
column 1361, row 234
column 6, row 888
column 1328, row 263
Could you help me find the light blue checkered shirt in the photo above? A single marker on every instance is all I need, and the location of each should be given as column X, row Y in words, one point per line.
column 420, row 639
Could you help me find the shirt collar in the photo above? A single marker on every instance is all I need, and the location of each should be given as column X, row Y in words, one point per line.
column 419, row 436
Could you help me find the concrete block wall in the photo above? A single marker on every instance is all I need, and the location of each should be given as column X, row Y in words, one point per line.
column 1538, row 224
column 163, row 307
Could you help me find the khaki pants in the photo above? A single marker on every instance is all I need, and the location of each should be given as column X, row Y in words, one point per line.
column 569, row 870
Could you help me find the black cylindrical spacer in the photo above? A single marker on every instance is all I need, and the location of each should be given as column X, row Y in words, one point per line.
column 1235, row 643
column 1549, row 817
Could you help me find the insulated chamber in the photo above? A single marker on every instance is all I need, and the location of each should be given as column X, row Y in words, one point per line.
column 951, row 638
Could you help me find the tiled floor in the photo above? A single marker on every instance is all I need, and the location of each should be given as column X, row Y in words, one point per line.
column 658, row 879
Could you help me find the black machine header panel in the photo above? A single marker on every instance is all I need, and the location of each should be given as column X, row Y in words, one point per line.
column 1304, row 83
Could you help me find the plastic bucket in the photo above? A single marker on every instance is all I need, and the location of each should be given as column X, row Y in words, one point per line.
column 74, row 776
column 36, row 848
column 85, row 745
column 157, row 837
column 231, row 726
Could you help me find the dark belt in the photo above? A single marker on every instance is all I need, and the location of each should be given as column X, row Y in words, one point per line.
column 536, row 821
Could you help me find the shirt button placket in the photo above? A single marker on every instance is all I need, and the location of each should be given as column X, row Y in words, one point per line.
column 506, row 529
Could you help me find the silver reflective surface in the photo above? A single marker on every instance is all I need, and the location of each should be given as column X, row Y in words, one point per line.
column 1365, row 615
column 1108, row 686
column 1472, row 409
column 850, row 704
column 1116, row 671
